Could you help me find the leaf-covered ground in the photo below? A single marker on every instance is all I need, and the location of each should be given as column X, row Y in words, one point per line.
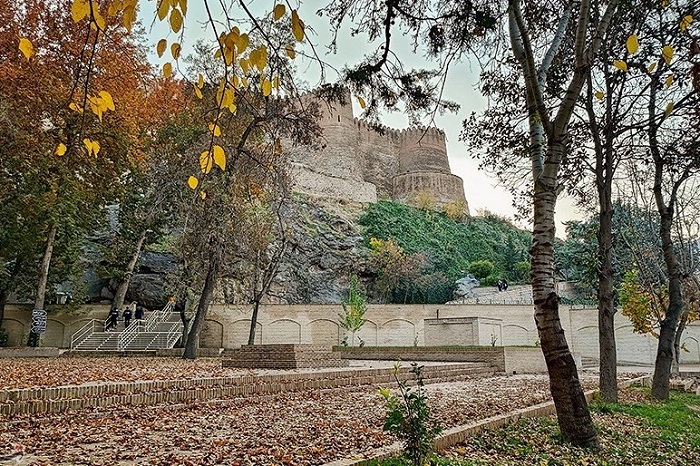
column 635, row 432
column 308, row 427
column 39, row 372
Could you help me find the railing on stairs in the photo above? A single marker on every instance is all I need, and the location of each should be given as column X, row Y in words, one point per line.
column 147, row 325
column 84, row 332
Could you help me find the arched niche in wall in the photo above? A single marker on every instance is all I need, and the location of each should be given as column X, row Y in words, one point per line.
column 283, row 331
column 368, row 333
column 690, row 352
column 212, row 335
column 239, row 331
column 397, row 332
column 516, row 335
column 16, row 331
column 324, row 332
column 55, row 333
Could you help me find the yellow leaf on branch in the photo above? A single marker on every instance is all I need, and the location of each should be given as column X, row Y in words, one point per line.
column 685, row 22
column 215, row 129
column 205, row 162
column 362, row 102
column 291, row 53
column 26, row 47
column 93, row 147
column 599, row 95
column 203, row 194
column 200, row 81
column 632, row 44
column 79, row 10
column 129, row 15
column 669, row 109
column 279, row 11
column 620, row 65
column 198, row 93
column 163, row 9
column 297, row 26
column 175, row 50
column 669, row 81
column 183, row 6
column 176, row 20
column 73, row 106
column 106, row 100
column 167, row 70
column 242, row 43
column 160, row 48
column 667, row 54
column 266, row 87
column 192, row 182
column 60, row 149
column 219, row 157
column 652, row 67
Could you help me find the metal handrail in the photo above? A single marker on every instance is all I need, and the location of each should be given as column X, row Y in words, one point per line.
column 129, row 333
column 83, row 333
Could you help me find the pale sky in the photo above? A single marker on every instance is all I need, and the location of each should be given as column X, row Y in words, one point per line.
column 482, row 191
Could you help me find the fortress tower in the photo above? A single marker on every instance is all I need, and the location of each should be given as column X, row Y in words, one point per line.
column 361, row 164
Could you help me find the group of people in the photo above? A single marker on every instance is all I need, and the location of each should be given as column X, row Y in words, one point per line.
column 502, row 285
column 130, row 311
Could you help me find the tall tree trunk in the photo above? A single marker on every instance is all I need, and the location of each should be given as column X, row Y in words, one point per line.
column 123, row 286
column 253, row 322
column 606, row 298
column 181, row 308
column 202, row 308
column 573, row 416
column 43, row 280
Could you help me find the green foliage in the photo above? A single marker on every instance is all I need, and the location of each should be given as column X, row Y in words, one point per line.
column 408, row 418
column 354, row 307
column 450, row 247
column 3, row 337
column 481, row 269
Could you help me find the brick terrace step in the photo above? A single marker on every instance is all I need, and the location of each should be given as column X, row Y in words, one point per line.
column 75, row 397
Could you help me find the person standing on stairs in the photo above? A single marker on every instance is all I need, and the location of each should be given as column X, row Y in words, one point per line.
column 126, row 314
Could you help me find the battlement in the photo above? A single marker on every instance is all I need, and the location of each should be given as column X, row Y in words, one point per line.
column 356, row 153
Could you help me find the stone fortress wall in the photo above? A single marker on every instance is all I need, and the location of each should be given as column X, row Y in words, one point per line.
column 361, row 164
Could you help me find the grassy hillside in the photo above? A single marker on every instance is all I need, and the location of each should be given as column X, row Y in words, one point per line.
column 451, row 247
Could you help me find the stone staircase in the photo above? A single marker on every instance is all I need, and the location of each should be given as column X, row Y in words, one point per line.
column 161, row 329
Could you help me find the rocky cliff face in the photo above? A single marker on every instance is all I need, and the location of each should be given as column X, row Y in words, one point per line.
column 324, row 250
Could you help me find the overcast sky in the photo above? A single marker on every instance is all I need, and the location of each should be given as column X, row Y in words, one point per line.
column 482, row 191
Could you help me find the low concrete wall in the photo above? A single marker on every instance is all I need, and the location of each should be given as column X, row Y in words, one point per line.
column 25, row 352
column 493, row 356
column 524, row 360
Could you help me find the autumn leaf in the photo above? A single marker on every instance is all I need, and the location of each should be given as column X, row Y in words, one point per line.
column 266, row 87
column 98, row 20
column 620, row 65
column 667, row 54
column 93, row 147
column 297, row 26
column 652, row 67
column 192, row 182
column 219, row 157
column 362, row 102
column 60, row 149
column 198, row 93
column 200, row 81
column 167, row 70
column 242, row 43
column 685, row 22
column 26, row 47
column 279, row 11
column 163, row 8
column 669, row 81
column 205, row 162
column 669, row 109
column 175, row 50
column 291, row 53
column 176, row 20
column 215, row 129
column 79, row 10
column 599, row 95
column 107, row 101
column 203, row 194
column 632, row 44
column 160, row 48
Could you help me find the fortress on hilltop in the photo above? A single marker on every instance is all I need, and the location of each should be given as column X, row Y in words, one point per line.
column 360, row 164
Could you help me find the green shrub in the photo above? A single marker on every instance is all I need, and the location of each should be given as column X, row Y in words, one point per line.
column 408, row 418
column 4, row 337
column 481, row 269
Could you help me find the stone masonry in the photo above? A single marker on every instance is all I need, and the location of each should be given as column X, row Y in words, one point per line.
column 358, row 163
